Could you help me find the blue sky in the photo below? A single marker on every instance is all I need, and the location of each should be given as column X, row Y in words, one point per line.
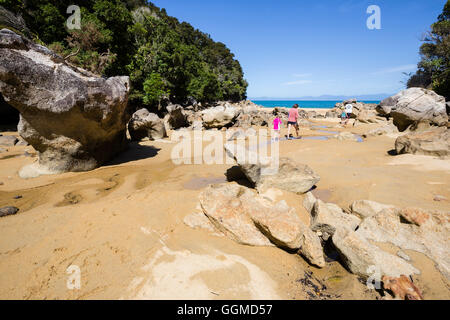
column 295, row 48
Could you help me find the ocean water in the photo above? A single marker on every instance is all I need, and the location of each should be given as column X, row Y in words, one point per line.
column 303, row 104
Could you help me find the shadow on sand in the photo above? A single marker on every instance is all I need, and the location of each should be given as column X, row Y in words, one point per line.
column 392, row 152
column 134, row 152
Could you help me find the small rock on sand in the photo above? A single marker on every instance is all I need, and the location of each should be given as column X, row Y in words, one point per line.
column 8, row 211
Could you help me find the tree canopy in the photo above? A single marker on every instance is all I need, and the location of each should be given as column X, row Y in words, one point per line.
column 166, row 59
column 433, row 69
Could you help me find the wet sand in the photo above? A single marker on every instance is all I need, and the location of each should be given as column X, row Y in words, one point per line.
column 122, row 225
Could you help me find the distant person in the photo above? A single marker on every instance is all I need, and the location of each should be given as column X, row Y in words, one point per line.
column 348, row 111
column 277, row 127
column 344, row 118
column 293, row 121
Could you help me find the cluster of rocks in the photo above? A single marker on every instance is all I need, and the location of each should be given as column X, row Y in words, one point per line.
column 250, row 216
column 424, row 117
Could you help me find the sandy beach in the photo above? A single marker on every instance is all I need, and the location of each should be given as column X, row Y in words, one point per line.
column 122, row 224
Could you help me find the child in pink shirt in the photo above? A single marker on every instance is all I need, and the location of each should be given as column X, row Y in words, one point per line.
column 277, row 127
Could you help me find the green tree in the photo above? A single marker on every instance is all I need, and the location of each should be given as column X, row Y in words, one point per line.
column 434, row 67
column 155, row 89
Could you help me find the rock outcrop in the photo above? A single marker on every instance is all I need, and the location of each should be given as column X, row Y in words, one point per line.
column 176, row 117
column 250, row 219
column 434, row 142
column 290, row 176
column 415, row 105
column 328, row 217
column 367, row 209
column 389, row 128
column 402, row 288
column 75, row 120
column 144, row 124
column 412, row 229
column 219, row 117
column 366, row 260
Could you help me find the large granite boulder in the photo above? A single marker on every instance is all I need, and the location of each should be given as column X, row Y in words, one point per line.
column 223, row 205
column 75, row 120
column 250, row 219
column 415, row 105
column 434, row 142
column 144, row 124
column 220, row 116
column 366, row 259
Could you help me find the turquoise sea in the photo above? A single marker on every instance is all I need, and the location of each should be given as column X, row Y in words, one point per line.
column 303, row 104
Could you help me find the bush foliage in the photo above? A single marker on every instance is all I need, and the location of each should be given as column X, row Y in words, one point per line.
column 165, row 59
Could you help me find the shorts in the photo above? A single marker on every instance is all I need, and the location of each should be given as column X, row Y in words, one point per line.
column 292, row 123
column 349, row 115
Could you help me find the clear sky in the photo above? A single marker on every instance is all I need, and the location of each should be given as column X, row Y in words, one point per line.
column 295, row 48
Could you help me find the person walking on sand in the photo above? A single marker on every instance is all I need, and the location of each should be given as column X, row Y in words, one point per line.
column 277, row 128
column 293, row 121
column 349, row 112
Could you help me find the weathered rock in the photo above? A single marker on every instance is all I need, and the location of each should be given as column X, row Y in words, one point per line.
column 220, row 116
column 365, row 259
column 75, row 120
column 144, row 124
column 223, row 205
column 415, row 104
column 250, row 219
column 198, row 220
column 367, row 116
column 390, row 128
column 8, row 211
column 176, row 118
column 290, row 176
column 415, row 216
column 278, row 222
column 8, row 141
column 435, row 142
column 328, row 217
column 311, row 248
column 402, row 288
column 347, row 136
column 350, row 101
column 309, row 201
column 240, row 134
column 430, row 238
column 332, row 114
column 366, row 208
